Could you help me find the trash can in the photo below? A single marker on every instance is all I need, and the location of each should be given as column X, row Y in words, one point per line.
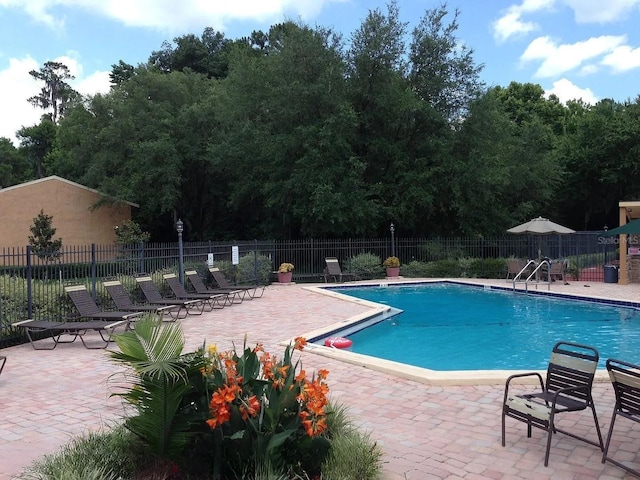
column 610, row 274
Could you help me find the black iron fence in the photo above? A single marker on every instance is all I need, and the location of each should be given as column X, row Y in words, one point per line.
column 31, row 285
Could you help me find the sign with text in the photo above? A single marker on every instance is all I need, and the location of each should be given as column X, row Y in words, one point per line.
column 235, row 255
column 210, row 259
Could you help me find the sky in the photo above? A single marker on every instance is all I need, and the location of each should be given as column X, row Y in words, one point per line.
column 575, row 49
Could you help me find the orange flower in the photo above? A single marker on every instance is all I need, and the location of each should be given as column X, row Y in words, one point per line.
column 301, row 377
column 249, row 408
column 322, row 374
column 300, row 343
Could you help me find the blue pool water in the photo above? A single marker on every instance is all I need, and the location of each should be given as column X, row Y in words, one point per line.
column 454, row 327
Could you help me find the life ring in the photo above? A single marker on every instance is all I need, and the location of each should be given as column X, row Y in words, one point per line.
column 338, row 342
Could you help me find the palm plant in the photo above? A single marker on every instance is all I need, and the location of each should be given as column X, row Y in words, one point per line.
column 159, row 378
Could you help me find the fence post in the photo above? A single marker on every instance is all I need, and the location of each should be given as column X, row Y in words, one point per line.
column 141, row 257
column 29, row 284
column 255, row 260
column 93, row 271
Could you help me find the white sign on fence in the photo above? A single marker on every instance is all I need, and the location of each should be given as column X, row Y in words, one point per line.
column 235, row 255
column 210, row 259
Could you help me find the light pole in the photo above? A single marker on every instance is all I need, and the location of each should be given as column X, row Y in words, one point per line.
column 392, row 228
column 180, row 229
column 604, row 249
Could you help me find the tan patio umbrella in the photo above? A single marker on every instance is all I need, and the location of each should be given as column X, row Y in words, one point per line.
column 540, row 226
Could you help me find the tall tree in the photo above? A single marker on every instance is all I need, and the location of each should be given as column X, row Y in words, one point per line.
column 14, row 168
column 443, row 71
column 121, row 72
column 56, row 92
column 145, row 141
column 288, row 134
column 37, row 142
column 207, row 55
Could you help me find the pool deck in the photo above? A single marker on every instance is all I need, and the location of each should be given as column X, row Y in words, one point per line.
column 427, row 429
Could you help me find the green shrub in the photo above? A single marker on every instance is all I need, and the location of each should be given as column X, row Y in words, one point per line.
column 245, row 271
column 437, row 249
column 353, row 456
column 365, row 265
column 448, row 268
column 251, row 265
column 117, row 450
column 415, row 269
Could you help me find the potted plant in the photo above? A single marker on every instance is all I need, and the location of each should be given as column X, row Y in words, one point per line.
column 285, row 272
column 392, row 264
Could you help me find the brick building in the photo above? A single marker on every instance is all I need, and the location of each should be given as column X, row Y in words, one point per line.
column 76, row 218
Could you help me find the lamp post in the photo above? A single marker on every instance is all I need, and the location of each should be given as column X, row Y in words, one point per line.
column 604, row 248
column 392, row 229
column 180, row 229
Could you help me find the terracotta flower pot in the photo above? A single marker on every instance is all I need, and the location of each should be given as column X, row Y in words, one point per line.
column 393, row 271
column 285, row 277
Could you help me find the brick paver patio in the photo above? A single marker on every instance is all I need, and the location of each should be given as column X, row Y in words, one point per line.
column 426, row 432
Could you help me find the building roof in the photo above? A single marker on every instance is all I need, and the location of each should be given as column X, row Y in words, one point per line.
column 69, row 182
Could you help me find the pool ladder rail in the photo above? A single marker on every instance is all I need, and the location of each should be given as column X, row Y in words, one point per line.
column 534, row 276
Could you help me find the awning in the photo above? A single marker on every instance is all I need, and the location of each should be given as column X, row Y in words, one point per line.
column 630, row 228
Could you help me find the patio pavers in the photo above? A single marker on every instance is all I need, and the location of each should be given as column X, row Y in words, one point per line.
column 426, row 432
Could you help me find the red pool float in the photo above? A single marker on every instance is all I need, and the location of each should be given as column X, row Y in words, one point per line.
column 338, row 342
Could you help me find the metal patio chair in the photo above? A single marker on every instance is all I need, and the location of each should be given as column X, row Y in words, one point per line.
column 625, row 378
column 567, row 389
column 87, row 307
column 235, row 295
column 154, row 297
column 253, row 291
column 212, row 300
column 123, row 302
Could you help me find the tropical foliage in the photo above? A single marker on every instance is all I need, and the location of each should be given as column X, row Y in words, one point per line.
column 226, row 415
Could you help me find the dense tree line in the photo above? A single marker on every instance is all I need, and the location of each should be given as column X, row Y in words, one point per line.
column 298, row 133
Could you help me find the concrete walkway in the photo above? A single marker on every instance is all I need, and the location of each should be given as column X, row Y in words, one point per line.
column 426, row 432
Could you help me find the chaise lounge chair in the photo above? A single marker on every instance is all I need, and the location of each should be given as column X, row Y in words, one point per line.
column 75, row 329
column 625, row 378
column 123, row 302
column 154, row 297
column 253, row 291
column 212, row 300
column 567, row 389
column 235, row 295
column 333, row 270
column 87, row 307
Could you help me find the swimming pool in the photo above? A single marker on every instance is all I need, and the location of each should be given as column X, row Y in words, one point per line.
column 453, row 327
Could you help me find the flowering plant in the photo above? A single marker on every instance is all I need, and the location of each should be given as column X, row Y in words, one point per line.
column 264, row 408
column 285, row 267
column 391, row 262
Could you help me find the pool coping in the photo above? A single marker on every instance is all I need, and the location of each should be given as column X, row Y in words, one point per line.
column 419, row 374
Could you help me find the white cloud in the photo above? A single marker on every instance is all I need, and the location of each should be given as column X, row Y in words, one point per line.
column 622, row 59
column 16, row 86
column 565, row 90
column 511, row 23
column 597, row 11
column 97, row 82
column 172, row 15
column 558, row 59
